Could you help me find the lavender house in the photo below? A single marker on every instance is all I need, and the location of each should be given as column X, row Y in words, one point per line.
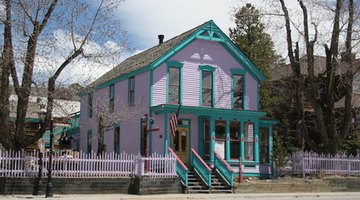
column 217, row 85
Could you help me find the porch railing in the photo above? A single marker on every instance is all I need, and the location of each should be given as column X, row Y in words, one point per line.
column 201, row 168
column 181, row 170
column 224, row 169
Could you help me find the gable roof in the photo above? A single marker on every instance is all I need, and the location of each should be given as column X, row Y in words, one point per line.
column 151, row 57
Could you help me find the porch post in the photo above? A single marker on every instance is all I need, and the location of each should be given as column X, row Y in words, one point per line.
column 270, row 142
column 212, row 143
column 227, row 141
column 242, row 139
column 166, row 133
column 256, row 145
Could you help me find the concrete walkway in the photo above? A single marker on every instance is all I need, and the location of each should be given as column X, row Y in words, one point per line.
column 290, row 196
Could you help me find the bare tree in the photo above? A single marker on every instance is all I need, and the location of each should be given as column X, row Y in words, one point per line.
column 106, row 120
column 332, row 133
column 28, row 26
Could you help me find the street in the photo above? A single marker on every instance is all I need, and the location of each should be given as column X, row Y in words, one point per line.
column 253, row 196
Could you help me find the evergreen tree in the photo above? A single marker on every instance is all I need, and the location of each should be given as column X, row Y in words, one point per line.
column 250, row 36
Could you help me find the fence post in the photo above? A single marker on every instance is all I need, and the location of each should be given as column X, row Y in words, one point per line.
column 303, row 166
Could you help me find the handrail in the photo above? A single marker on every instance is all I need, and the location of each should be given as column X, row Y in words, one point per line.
column 224, row 169
column 181, row 170
column 202, row 169
column 202, row 161
column 222, row 159
column 178, row 159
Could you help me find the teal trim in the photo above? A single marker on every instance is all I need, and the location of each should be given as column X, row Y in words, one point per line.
column 179, row 65
column 256, row 142
column 227, row 140
column 183, row 174
column 240, row 115
column 215, row 34
column 200, row 136
column 118, row 79
column 166, row 133
column 174, row 63
column 242, row 140
column 212, row 70
column 207, row 68
column 224, row 170
column 212, row 138
column 237, row 71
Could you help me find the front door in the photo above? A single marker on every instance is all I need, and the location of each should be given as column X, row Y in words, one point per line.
column 181, row 144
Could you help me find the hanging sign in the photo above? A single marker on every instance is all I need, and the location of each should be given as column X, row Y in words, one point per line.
column 220, row 148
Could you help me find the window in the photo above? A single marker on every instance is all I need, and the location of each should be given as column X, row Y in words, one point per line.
column 234, row 140
column 264, row 145
column 111, row 98
column 90, row 105
column 238, row 92
column 131, row 93
column 89, row 141
column 207, row 88
column 117, row 139
column 220, row 130
column 207, row 139
column 249, row 141
column 174, row 85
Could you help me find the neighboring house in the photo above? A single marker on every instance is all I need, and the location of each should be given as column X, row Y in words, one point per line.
column 62, row 113
column 217, row 85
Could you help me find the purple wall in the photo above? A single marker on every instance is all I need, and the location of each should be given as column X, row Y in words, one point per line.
column 203, row 52
column 129, row 117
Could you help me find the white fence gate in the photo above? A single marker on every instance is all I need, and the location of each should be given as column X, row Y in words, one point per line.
column 313, row 163
column 82, row 165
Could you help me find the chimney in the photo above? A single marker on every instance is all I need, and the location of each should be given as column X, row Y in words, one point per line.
column 161, row 39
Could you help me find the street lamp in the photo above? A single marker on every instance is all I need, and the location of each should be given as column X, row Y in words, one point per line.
column 38, row 184
column 49, row 185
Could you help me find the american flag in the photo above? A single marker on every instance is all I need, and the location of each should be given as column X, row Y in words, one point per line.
column 174, row 121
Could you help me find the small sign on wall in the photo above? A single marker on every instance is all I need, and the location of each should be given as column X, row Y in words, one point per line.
column 220, row 148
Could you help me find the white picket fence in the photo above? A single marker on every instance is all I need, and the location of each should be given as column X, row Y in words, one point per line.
column 312, row 163
column 82, row 165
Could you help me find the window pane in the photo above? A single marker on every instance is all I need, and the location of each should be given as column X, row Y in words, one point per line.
column 176, row 141
column 238, row 92
column 264, row 145
column 173, row 94
column 234, row 130
column 183, row 141
column 207, row 89
column 234, row 149
column 174, row 85
column 132, row 84
column 174, row 76
column 117, row 140
column 249, row 141
column 206, row 129
column 90, row 108
column 220, row 129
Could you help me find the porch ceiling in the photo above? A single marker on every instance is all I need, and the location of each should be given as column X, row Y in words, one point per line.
column 205, row 111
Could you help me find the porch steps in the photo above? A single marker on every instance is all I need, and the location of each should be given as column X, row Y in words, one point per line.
column 218, row 185
column 196, row 185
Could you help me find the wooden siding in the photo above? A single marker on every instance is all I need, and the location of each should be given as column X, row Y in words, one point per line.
column 129, row 127
column 203, row 52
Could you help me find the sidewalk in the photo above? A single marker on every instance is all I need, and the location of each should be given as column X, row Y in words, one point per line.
column 350, row 195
